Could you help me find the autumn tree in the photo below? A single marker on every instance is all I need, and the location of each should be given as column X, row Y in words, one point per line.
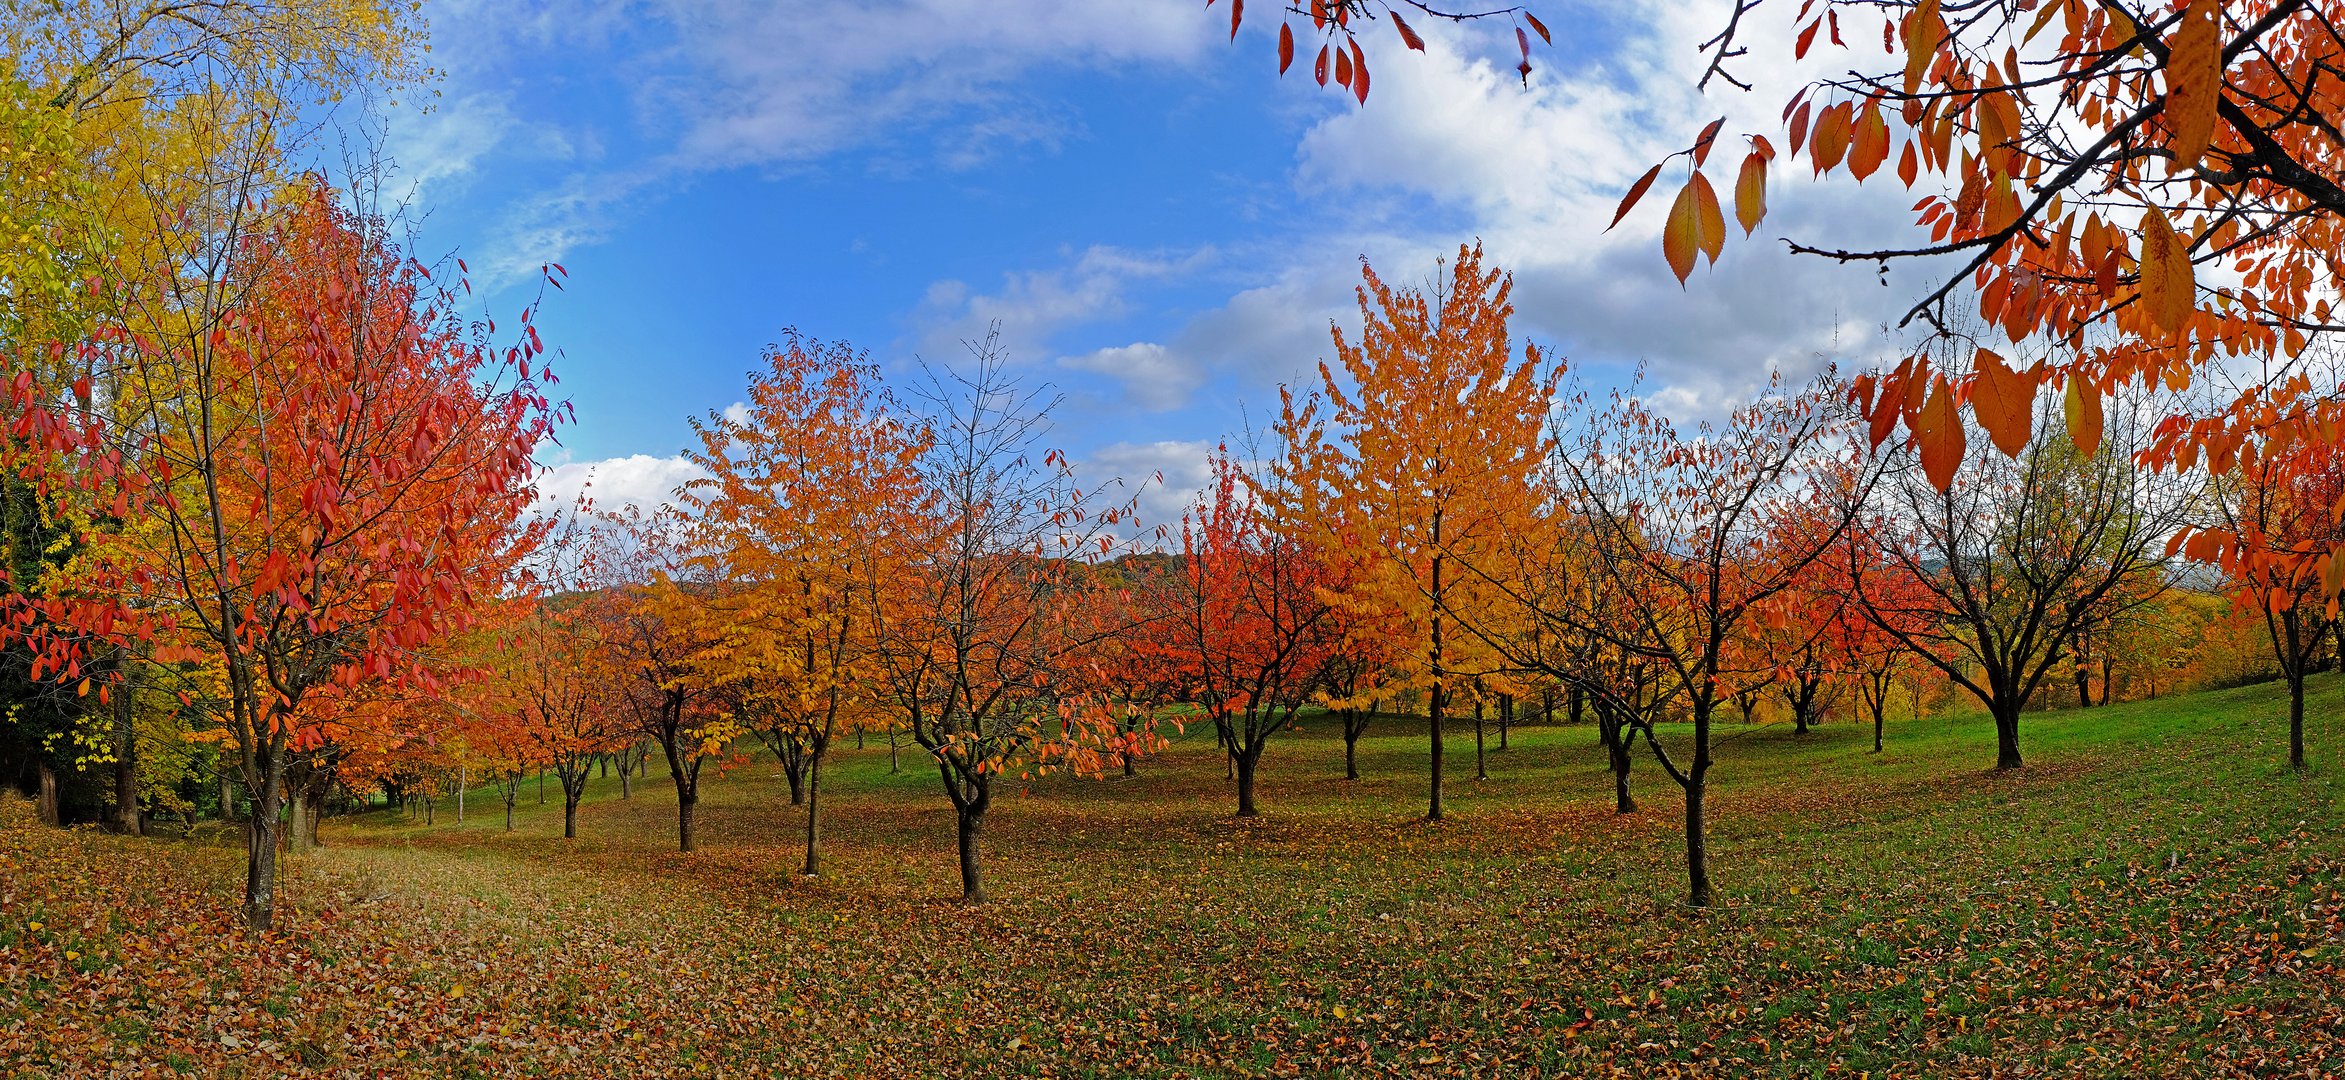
column 811, row 502
column 2280, row 514
column 1424, row 455
column 662, row 634
column 552, row 676
column 1701, row 530
column 342, row 466
column 974, row 628
column 1881, row 611
column 1997, row 570
column 1252, row 628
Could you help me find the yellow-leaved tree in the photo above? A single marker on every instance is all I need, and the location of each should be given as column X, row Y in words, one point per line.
column 803, row 513
column 1421, row 459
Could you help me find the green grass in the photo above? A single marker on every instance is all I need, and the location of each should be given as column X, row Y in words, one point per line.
column 2156, row 894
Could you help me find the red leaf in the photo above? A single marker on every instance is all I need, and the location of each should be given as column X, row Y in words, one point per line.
column 1635, row 191
column 1237, row 13
column 1319, row 69
column 1359, row 73
column 1286, row 47
column 1540, row 27
column 1408, row 36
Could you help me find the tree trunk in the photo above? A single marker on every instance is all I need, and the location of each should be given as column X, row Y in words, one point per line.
column 626, row 789
column 813, row 813
column 1616, row 747
column 47, row 806
column 797, row 773
column 1246, row 763
column 1505, row 717
column 1355, row 725
column 541, row 787
column 296, row 823
column 2007, row 737
column 2084, row 688
column 126, row 817
column 2108, row 679
column 2296, row 717
column 1433, row 725
column 569, row 816
column 1878, row 723
column 1577, row 704
column 972, row 822
column 1481, row 764
column 1697, row 847
column 227, row 795
column 261, row 834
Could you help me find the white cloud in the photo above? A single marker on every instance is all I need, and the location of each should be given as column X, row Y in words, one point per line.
column 1167, row 477
column 752, row 82
column 1452, row 147
column 638, row 479
column 1034, row 305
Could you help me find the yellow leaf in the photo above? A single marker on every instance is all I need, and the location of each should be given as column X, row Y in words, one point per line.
column 2166, row 282
column 456, row 991
column 2082, row 403
column 1681, row 235
column 2194, row 81
column 2004, row 401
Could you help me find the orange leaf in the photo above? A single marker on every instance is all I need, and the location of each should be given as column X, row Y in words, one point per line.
column 1938, row 435
column 1702, row 142
column 1750, row 193
column 1540, row 27
column 1712, row 223
column 1829, row 141
column 1870, row 146
column 1286, row 47
column 2194, row 81
column 2082, row 403
column 2166, row 282
column 2004, row 401
column 1923, row 30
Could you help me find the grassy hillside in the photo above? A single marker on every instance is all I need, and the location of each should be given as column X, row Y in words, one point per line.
column 2154, row 895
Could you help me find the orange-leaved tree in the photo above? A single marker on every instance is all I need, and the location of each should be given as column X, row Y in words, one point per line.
column 654, row 601
column 1424, row 458
column 2281, row 510
column 813, row 500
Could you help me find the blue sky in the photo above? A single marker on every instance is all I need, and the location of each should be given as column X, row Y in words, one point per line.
column 1162, row 227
